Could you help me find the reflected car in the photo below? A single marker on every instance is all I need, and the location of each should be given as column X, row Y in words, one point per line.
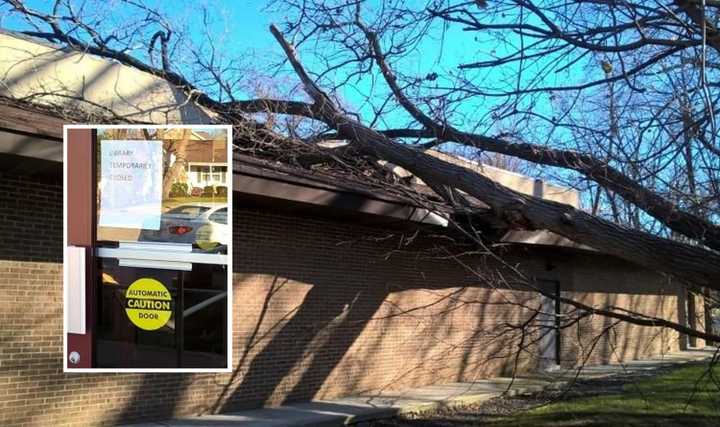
column 203, row 225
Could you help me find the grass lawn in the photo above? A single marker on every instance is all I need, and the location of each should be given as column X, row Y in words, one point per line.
column 172, row 202
column 682, row 397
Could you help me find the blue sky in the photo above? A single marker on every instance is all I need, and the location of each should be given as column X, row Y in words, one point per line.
column 240, row 29
column 244, row 17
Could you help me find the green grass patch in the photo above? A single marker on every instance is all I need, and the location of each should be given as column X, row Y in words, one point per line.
column 174, row 202
column 196, row 199
column 685, row 397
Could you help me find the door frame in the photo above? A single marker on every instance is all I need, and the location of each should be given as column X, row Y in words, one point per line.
column 80, row 150
column 79, row 208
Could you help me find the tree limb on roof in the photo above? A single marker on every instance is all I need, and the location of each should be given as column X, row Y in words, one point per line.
column 690, row 263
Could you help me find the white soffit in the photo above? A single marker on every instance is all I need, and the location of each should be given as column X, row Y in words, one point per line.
column 30, row 146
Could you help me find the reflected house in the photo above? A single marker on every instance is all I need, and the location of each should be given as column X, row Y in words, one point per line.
column 205, row 156
column 338, row 288
column 207, row 164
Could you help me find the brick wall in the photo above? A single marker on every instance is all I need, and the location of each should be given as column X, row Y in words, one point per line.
column 322, row 308
column 601, row 281
column 322, row 312
column 31, row 219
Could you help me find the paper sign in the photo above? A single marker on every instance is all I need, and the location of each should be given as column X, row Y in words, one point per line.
column 131, row 184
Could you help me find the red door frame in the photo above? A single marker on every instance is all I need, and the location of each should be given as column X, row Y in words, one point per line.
column 81, row 192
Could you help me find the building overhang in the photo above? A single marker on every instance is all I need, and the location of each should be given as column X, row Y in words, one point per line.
column 256, row 186
column 30, row 143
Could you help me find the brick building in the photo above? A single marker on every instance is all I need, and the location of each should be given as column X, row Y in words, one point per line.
column 338, row 288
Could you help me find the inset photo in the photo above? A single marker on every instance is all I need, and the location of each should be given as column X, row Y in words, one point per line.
column 147, row 283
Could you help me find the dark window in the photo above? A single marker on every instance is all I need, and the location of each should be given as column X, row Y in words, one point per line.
column 194, row 337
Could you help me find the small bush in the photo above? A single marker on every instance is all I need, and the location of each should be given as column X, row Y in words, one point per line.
column 221, row 191
column 196, row 192
column 209, row 191
column 179, row 189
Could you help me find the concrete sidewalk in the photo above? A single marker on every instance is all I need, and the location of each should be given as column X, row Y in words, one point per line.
column 357, row 409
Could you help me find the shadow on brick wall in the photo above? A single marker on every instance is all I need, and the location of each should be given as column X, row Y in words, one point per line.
column 31, row 219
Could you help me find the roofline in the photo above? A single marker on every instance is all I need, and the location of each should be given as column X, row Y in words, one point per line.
column 273, row 185
column 258, row 181
column 24, row 121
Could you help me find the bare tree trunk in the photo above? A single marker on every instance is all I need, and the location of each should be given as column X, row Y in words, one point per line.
column 177, row 171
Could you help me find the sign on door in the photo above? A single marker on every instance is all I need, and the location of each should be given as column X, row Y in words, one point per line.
column 131, row 184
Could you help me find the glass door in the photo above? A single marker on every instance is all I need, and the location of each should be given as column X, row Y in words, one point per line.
column 159, row 317
column 161, row 249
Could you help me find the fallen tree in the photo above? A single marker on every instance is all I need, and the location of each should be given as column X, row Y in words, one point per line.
column 692, row 264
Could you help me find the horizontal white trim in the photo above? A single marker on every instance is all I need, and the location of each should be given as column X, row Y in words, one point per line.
column 150, row 126
column 162, row 265
column 147, row 370
column 156, row 246
column 155, row 255
column 213, row 164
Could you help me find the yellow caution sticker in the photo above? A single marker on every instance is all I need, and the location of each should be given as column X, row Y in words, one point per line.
column 148, row 304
